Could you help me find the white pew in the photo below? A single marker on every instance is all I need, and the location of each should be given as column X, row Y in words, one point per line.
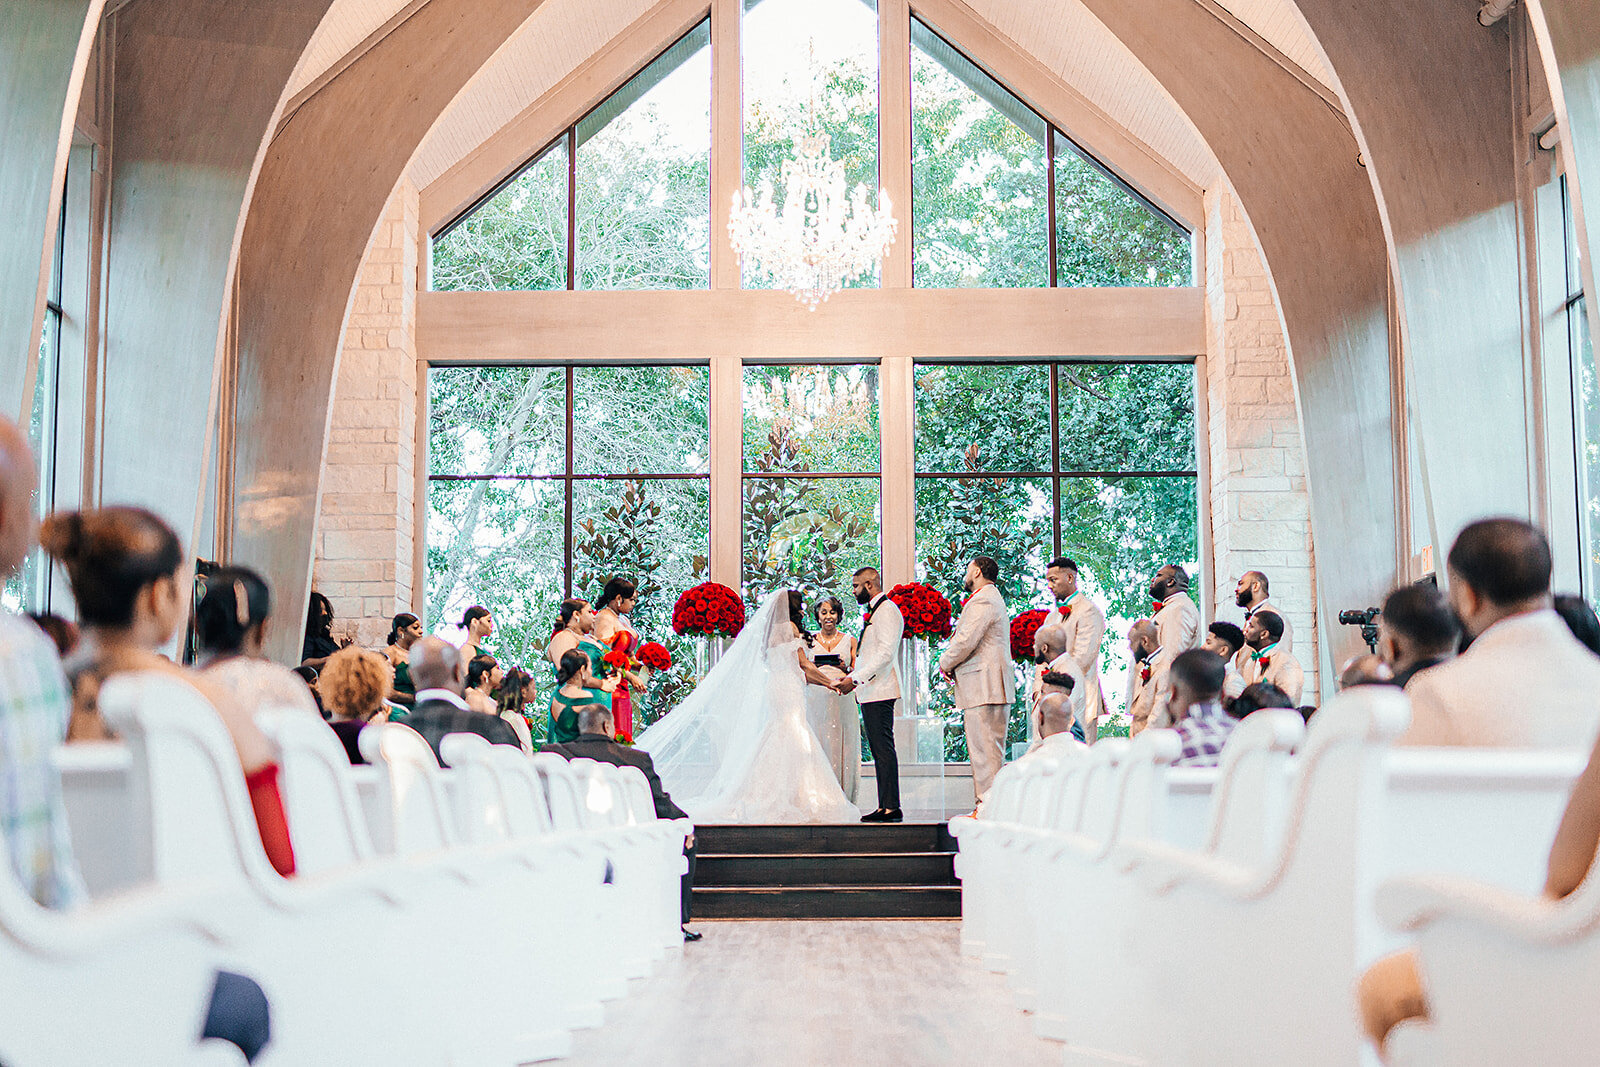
column 1509, row 977
column 94, row 788
column 298, row 937
column 669, row 865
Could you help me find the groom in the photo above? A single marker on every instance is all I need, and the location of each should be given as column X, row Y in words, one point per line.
column 879, row 683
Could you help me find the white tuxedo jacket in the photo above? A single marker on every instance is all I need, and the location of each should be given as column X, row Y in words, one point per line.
column 1526, row 682
column 1085, row 625
column 875, row 674
column 979, row 653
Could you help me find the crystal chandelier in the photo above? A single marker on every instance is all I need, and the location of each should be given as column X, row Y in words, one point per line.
column 818, row 239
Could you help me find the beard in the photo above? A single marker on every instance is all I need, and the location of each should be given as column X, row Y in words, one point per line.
column 863, row 597
column 1042, row 657
column 1243, row 599
column 966, row 583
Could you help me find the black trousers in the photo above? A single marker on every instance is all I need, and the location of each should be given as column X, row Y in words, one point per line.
column 239, row 1014
column 877, row 719
column 688, row 883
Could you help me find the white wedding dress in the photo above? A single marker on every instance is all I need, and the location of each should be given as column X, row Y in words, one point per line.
column 740, row 749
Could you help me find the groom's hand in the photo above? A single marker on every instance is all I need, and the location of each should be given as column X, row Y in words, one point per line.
column 845, row 685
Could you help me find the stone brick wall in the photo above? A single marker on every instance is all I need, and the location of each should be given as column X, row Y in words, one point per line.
column 366, row 525
column 1260, row 513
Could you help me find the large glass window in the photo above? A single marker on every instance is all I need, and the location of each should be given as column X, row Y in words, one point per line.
column 621, row 200
column 544, row 482
column 1022, row 462
column 811, row 507
column 1586, row 407
column 810, row 65
column 988, row 211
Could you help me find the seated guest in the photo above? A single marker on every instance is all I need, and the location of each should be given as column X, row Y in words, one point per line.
column 483, row 676
column 60, row 631
column 126, row 570
column 354, row 684
column 319, row 641
column 1392, row 991
column 405, row 631
column 1526, row 682
column 1226, row 639
column 1580, row 619
column 231, row 623
column 1258, row 696
column 1417, row 629
column 1269, row 660
column 308, row 675
column 439, row 676
column 1052, row 659
column 1196, row 705
column 1365, row 669
column 595, row 741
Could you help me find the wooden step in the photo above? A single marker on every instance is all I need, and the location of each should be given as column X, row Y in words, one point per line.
column 826, row 868
column 869, row 838
column 827, row 902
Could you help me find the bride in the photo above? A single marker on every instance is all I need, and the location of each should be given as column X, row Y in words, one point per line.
column 740, row 749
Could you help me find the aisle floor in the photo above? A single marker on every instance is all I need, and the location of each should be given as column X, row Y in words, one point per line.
column 828, row 993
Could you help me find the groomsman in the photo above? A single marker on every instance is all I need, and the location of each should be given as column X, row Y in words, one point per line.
column 1141, row 676
column 977, row 664
column 875, row 675
column 1251, row 595
column 1085, row 626
column 1267, row 657
column 1177, row 631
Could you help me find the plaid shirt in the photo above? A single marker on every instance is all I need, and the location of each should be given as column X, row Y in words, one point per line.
column 33, row 720
column 1204, row 731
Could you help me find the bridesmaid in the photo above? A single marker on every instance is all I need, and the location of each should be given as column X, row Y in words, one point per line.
column 575, row 632
column 617, row 599
column 834, row 717
column 577, row 687
column 406, row 631
column 478, row 624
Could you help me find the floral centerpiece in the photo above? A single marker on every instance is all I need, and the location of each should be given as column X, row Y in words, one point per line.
column 655, row 656
column 709, row 608
column 925, row 609
column 1023, row 629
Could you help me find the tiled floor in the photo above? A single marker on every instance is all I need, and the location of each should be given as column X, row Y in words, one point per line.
column 837, row 994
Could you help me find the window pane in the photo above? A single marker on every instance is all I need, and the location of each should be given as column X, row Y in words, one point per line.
column 1121, row 530
column 517, row 239
column 656, row 533
column 809, row 534
column 644, row 177
column 497, row 420
column 498, row 542
column 1589, row 444
column 26, row 589
column 811, row 63
column 649, row 420
column 979, row 188
column 819, row 418
column 1126, row 416
column 1007, row 519
column 1107, row 236
column 982, row 417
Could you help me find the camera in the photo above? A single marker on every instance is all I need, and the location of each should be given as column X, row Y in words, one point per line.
column 1359, row 616
column 1366, row 618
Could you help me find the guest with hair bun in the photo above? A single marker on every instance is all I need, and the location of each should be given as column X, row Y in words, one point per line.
column 125, row 566
column 231, row 621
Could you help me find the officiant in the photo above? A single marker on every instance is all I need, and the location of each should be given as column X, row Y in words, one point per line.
column 833, row 715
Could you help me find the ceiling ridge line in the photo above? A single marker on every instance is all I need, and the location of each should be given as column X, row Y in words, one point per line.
column 345, row 61
column 1272, row 52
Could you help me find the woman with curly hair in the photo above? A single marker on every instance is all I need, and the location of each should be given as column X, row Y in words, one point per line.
column 353, row 687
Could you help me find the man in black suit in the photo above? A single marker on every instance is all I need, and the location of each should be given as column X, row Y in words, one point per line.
column 438, row 674
column 595, row 733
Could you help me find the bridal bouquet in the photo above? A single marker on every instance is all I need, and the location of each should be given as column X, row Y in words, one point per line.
column 655, row 656
column 708, row 608
column 926, row 611
column 1023, row 629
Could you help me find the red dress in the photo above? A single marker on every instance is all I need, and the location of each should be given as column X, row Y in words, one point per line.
column 625, row 642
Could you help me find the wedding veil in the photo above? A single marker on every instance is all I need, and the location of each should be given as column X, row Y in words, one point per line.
column 704, row 747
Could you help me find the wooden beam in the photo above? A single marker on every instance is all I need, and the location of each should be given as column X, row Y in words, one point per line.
column 856, row 323
column 343, row 62
column 727, row 141
column 497, row 158
column 894, row 134
column 1047, row 93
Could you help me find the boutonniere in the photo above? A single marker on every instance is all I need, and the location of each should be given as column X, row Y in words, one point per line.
column 1144, row 672
column 1157, row 605
column 1266, row 661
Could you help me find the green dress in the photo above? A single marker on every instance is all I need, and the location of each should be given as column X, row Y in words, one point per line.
column 564, row 725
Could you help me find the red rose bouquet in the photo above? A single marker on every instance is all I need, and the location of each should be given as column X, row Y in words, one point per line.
column 926, row 611
column 655, row 656
column 1023, row 629
column 708, row 608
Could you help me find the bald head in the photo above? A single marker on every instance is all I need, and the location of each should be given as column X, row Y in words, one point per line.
column 1055, row 714
column 1142, row 638
column 436, row 664
column 17, row 479
column 1049, row 642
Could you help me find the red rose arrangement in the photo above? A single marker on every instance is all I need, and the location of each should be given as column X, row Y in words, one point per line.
column 708, row 608
column 926, row 611
column 1023, row 629
column 655, row 656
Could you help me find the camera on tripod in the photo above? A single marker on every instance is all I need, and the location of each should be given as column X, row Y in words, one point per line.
column 1366, row 618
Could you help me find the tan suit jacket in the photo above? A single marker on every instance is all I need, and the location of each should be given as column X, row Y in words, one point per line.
column 1141, row 699
column 1526, row 682
column 1085, row 625
column 979, row 652
column 1283, row 671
